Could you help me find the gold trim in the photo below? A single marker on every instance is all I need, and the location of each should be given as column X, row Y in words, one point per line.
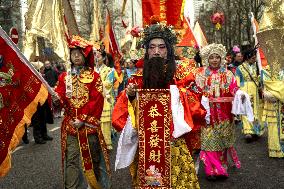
column 104, row 150
column 89, row 174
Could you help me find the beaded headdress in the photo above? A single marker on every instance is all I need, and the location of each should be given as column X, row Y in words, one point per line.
column 159, row 30
column 213, row 48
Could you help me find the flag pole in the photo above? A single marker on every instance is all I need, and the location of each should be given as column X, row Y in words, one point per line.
column 24, row 60
column 255, row 30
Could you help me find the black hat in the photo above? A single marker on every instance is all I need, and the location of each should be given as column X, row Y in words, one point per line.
column 249, row 53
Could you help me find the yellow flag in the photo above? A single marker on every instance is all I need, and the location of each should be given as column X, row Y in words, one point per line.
column 45, row 18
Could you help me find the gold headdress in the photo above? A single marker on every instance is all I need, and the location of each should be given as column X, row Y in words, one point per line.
column 213, row 48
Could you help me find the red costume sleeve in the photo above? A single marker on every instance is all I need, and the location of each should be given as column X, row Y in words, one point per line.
column 193, row 110
column 120, row 112
column 191, row 96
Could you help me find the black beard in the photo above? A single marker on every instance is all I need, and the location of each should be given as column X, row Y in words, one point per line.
column 154, row 76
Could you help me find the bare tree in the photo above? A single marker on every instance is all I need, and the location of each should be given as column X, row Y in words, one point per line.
column 10, row 16
column 237, row 28
column 85, row 13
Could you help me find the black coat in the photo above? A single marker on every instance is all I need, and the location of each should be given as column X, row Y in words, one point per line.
column 51, row 77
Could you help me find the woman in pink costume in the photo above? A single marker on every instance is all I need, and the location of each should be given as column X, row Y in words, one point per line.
column 218, row 135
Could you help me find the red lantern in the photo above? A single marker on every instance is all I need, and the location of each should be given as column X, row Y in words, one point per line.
column 218, row 19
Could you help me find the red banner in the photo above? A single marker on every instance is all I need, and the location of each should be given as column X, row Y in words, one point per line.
column 154, row 167
column 187, row 39
column 167, row 10
column 174, row 13
column 110, row 42
column 150, row 8
column 20, row 93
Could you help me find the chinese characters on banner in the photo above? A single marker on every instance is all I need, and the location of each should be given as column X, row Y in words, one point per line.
column 154, row 124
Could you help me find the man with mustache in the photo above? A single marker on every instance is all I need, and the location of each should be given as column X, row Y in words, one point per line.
column 158, row 73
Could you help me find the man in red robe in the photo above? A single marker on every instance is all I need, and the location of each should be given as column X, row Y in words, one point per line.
column 158, row 73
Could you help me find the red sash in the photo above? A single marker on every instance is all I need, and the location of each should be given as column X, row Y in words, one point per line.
column 87, row 158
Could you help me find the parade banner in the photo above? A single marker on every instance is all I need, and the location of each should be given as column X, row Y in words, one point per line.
column 167, row 10
column 188, row 38
column 21, row 90
column 45, row 19
column 110, row 42
column 154, row 122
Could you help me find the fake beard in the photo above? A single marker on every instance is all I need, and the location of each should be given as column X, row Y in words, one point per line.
column 154, row 73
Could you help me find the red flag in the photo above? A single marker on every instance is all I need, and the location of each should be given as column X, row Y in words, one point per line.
column 21, row 91
column 111, row 45
column 188, row 39
column 174, row 10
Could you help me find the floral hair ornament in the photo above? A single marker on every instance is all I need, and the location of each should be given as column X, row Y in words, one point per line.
column 236, row 49
column 213, row 48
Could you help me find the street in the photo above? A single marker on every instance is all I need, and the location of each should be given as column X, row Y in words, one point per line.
column 39, row 167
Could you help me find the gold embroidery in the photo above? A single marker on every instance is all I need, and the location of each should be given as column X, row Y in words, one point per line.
column 99, row 85
column 86, row 76
column 83, row 116
column 92, row 120
column 6, row 78
column 80, row 93
column 153, row 128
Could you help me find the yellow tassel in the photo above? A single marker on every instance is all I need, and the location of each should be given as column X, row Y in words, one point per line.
column 218, row 26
